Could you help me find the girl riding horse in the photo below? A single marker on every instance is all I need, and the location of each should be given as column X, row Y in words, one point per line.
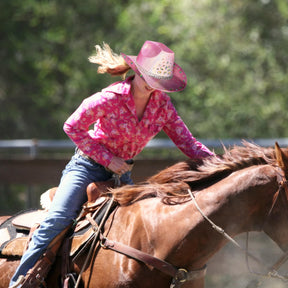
column 126, row 115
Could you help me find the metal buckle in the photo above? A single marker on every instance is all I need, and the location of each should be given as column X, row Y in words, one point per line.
column 102, row 243
column 181, row 275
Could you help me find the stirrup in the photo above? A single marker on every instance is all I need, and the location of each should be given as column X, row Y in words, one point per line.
column 19, row 281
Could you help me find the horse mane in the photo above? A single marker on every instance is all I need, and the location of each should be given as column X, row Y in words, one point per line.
column 172, row 183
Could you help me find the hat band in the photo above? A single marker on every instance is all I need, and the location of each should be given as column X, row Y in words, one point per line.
column 156, row 76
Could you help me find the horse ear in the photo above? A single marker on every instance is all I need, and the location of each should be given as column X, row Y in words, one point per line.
column 281, row 158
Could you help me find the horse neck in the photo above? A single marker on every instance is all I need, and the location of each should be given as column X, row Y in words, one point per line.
column 241, row 201
column 238, row 203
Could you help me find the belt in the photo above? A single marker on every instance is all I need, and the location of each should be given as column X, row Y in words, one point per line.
column 81, row 153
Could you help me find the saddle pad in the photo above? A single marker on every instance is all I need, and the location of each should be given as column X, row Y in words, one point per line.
column 8, row 231
column 14, row 247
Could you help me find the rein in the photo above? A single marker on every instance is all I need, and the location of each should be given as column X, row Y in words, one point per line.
column 272, row 270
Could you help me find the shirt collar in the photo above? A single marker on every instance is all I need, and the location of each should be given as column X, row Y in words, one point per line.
column 124, row 87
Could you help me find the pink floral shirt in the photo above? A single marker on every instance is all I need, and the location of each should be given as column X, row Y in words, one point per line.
column 117, row 130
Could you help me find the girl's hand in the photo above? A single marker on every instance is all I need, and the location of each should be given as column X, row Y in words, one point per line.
column 118, row 166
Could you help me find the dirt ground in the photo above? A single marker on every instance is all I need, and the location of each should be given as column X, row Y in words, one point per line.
column 228, row 268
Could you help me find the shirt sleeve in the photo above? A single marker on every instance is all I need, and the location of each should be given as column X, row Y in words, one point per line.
column 178, row 132
column 77, row 128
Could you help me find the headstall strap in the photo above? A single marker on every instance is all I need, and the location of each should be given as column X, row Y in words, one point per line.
column 282, row 180
column 283, row 185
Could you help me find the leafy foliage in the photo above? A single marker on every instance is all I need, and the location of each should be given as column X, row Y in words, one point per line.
column 234, row 53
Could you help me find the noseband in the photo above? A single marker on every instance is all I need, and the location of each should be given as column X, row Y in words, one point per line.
column 272, row 270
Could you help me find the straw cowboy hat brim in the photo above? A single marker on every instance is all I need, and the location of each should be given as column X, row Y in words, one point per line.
column 155, row 63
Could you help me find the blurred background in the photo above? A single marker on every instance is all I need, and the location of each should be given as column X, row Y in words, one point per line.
column 234, row 54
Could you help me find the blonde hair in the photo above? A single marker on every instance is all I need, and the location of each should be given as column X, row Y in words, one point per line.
column 109, row 62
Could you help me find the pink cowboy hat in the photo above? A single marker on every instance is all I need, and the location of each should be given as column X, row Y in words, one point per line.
column 155, row 62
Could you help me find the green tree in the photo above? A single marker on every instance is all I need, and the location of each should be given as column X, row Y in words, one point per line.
column 235, row 57
column 234, row 54
column 46, row 72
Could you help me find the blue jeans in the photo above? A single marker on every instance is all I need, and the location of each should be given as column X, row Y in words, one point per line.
column 66, row 206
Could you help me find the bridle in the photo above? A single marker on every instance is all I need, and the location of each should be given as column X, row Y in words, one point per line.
column 272, row 271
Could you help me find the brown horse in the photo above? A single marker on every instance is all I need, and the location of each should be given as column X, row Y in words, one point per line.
column 241, row 191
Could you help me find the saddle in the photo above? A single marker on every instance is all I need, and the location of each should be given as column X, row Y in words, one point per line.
column 16, row 231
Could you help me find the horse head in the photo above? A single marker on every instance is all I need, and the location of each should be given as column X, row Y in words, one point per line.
column 276, row 223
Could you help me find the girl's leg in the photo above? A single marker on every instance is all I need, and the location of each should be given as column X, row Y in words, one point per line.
column 66, row 205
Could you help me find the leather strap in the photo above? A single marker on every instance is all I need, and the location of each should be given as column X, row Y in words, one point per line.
column 161, row 265
column 181, row 275
column 36, row 276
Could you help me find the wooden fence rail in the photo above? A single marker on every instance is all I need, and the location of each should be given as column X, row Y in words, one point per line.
column 27, row 166
column 48, row 171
